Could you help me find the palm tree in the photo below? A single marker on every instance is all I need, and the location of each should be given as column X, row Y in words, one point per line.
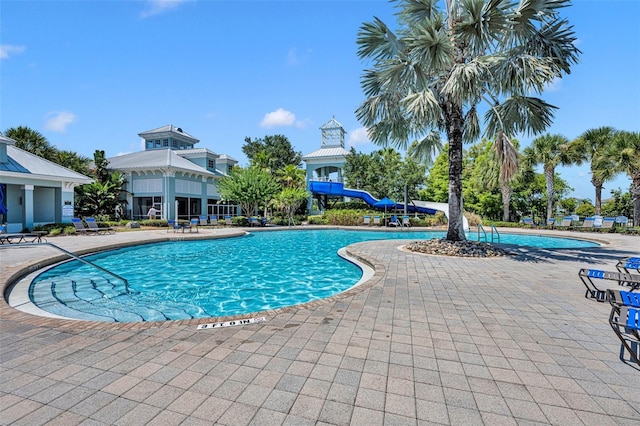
column 590, row 146
column 432, row 74
column 624, row 155
column 550, row 151
column 291, row 176
column 32, row 141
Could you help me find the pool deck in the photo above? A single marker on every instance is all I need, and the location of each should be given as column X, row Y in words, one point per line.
column 428, row 340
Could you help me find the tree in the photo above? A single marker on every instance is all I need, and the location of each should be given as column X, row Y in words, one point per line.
column 103, row 196
column 271, row 152
column 249, row 187
column 291, row 176
column 34, row 142
column 590, row 146
column 620, row 205
column 550, row 151
column 288, row 200
column 434, row 71
column 624, row 155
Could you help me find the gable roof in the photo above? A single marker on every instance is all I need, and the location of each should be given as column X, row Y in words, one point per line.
column 32, row 166
column 156, row 159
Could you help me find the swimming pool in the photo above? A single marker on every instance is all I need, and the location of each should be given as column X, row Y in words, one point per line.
column 211, row 278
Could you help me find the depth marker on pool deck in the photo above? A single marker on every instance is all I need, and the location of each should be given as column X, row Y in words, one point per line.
column 231, row 323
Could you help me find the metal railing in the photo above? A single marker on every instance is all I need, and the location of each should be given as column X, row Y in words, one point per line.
column 483, row 236
column 76, row 257
column 493, row 228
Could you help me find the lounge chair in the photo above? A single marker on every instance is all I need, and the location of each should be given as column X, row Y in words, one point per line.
column 174, row 226
column 228, row 221
column 253, row 221
column 599, row 293
column 550, row 222
column 406, row 222
column 367, row 220
column 22, row 237
column 394, row 221
column 625, row 321
column 93, row 225
column 588, row 223
column 203, row 221
column 629, row 265
column 376, row 220
column 566, row 222
column 80, row 228
column 607, row 223
column 213, row 220
column 529, row 222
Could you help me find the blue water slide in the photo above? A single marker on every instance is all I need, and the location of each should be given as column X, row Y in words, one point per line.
column 338, row 189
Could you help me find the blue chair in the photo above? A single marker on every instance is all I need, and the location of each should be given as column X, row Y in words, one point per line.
column 629, row 265
column 600, row 294
column 624, row 319
column 528, row 222
column 406, row 222
column 253, row 221
column 394, row 221
column 173, row 225
column 213, row 220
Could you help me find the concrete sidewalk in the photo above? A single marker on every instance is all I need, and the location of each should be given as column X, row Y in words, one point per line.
column 428, row 340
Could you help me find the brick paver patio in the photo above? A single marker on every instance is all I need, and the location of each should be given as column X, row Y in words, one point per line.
column 428, row 340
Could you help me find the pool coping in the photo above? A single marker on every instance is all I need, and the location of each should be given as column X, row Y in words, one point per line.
column 378, row 274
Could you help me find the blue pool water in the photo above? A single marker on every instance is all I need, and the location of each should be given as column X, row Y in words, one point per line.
column 210, row 278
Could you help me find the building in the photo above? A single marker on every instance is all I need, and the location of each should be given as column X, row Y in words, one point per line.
column 327, row 163
column 173, row 176
column 34, row 191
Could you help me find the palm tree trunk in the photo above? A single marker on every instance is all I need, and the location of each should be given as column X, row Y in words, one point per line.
column 455, row 122
column 635, row 195
column 598, row 198
column 506, row 192
column 549, row 173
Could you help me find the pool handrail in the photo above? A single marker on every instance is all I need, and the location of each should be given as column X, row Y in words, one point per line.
column 76, row 257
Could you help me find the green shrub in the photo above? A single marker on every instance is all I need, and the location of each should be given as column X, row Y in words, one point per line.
column 317, row 220
column 344, row 217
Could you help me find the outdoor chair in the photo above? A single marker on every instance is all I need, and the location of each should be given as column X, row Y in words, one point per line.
column 624, row 319
column 550, row 222
column 406, row 222
column 81, row 229
column 193, row 225
column 376, row 220
column 529, row 222
column 566, row 222
column 203, row 221
column 253, row 221
column 213, row 220
column 93, row 225
column 588, row 223
column 367, row 220
column 174, row 226
column 607, row 223
column 228, row 221
column 394, row 221
column 599, row 292
column 629, row 265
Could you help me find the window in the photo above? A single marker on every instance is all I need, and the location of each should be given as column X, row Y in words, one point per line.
column 174, row 143
column 211, row 164
column 165, row 142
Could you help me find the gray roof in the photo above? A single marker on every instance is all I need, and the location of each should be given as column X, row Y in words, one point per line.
column 21, row 161
column 332, row 124
column 166, row 131
column 227, row 157
column 156, row 159
column 337, row 151
column 6, row 140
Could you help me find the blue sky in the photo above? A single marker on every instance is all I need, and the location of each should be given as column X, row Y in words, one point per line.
column 93, row 74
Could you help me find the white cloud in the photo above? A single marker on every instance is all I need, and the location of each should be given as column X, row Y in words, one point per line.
column 554, row 86
column 8, row 49
column 156, row 7
column 57, row 121
column 359, row 136
column 278, row 118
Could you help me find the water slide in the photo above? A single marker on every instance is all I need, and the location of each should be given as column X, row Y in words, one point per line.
column 338, row 189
